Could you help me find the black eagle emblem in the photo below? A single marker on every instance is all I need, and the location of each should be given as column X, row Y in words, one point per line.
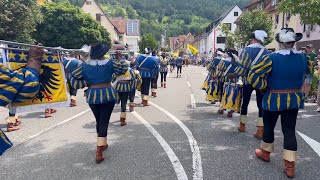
column 48, row 81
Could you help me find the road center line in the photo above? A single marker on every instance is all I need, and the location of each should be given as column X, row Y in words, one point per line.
column 193, row 101
column 312, row 143
column 196, row 157
column 52, row 127
column 188, row 83
column 181, row 174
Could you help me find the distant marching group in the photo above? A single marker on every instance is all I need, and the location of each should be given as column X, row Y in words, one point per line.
column 277, row 79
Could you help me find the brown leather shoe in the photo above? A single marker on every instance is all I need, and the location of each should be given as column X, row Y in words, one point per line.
column 161, row 84
column 230, row 114
column 259, row 133
column 242, row 128
column 131, row 107
column 47, row 113
column 155, row 94
column 18, row 121
column 123, row 119
column 12, row 127
column 165, row 85
column 145, row 103
column 263, row 155
column 289, row 168
column 73, row 103
column 99, row 154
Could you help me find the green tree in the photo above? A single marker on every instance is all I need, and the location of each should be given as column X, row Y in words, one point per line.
column 309, row 10
column 18, row 19
column 66, row 25
column 148, row 41
column 132, row 14
column 230, row 37
column 251, row 21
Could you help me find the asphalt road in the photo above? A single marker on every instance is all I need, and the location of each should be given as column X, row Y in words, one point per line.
column 180, row 136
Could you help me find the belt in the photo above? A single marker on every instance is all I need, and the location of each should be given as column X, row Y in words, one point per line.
column 124, row 81
column 145, row 69
column 286, row 91
column 102, row 85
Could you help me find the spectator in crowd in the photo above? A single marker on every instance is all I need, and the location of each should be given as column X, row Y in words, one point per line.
column 308, row 80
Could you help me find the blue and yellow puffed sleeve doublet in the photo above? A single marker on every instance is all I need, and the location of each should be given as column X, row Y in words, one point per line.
column 124, row 83
column 18, row 86
column 247, row 57
column 148, row 66
column 98, row 72
column 76, row 80
column 280, row 72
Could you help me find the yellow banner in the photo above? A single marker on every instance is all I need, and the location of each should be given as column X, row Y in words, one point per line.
column 175, row 54
column 52, row 81
column 192, row 49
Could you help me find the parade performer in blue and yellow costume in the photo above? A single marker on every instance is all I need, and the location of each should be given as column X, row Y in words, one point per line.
column 154, row 81
column 179, row 63
column 163, row 70
column 281, row 75
column 123, row 86
column 136, row 83
column 248, row 57
column 148, row 67
column 19, row 86
column 70, row 64
column 212, row 93
column 101, row 96
column 232, row 91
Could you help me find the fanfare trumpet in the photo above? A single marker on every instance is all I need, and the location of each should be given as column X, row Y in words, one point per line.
column 83, row 51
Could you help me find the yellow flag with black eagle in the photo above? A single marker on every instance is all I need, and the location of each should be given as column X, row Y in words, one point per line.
column 53, row 91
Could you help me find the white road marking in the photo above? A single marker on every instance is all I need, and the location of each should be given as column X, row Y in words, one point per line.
column 312, row 143
column 196, row 157
column 53, row 127
column 188, row 83
column 193, row 101
column 185, row 76
column 168, row 75
column 181, row 174
column 305, row 116
column 206, row 74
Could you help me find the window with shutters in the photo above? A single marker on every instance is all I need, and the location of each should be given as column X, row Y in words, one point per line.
column 88, row 2
column 221, row 40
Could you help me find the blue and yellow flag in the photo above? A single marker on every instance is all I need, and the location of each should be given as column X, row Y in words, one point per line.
column 53, row 91
column 192, row 49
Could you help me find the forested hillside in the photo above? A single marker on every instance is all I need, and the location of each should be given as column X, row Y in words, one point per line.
column 175, row 16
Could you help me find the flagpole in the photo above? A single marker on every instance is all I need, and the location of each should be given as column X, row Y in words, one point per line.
column 44, row 47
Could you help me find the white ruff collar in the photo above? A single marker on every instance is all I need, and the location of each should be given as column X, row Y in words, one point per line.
column 228, row 59
column 95, row 62
column 288, row 51
column 256, row 45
